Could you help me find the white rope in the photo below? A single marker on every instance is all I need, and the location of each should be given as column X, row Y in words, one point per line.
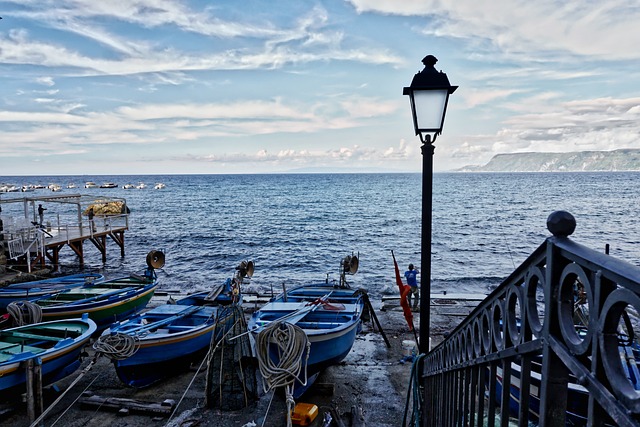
column 117, row 346
column 291, row 344
column 24, row 312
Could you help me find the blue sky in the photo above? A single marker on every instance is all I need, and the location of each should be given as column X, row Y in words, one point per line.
column 164, row 87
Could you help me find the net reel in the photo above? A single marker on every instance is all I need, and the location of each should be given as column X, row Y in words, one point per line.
column 349, row 265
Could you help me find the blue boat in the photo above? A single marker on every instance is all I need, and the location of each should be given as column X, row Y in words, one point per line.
column 107, row 301
column 58, row 345
column 330, row 317
column 28, row 291
column 165, row 340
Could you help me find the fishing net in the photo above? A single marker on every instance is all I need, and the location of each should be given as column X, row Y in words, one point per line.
column 231, row 370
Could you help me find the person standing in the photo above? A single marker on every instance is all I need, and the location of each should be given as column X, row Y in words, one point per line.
column 412, row 281
column 41, row 214
column 92, row 224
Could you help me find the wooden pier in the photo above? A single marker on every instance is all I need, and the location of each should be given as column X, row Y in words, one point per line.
column 76, row 237
column 69, row 223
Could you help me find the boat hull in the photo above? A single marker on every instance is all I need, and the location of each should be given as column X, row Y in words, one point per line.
column 59, row 356
column 167, row 347
column 331, row 328
column 29, row 291
column 105, row 303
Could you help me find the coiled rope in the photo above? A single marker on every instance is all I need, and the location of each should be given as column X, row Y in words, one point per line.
column 117, row 346
column 291, row 344
column 24, row 313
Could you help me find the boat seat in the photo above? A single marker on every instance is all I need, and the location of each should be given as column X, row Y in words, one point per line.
column 31, row 336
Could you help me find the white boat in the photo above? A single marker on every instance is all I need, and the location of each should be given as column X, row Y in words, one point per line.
column 72, row 185
column 141, row 185
column 159, row 186
column 90, row 184
column 128, row 186
column 54, row 187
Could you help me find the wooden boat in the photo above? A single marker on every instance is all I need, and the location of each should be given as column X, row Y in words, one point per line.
column 329, row 315
column 36, row 289
column 108, row 301
column 56, row 344
column 167, row 339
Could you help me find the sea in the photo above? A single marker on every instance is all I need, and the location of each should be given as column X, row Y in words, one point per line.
column 297, row 228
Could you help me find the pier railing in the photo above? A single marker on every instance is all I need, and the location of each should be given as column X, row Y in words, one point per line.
column 558, row 333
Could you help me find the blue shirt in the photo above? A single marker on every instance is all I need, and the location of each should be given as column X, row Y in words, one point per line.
column 411, row 277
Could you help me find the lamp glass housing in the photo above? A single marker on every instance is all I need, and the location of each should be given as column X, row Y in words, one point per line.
column 429, row 109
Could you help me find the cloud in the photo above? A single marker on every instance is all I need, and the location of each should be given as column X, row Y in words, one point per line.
column 601, row 29
column 591, row 124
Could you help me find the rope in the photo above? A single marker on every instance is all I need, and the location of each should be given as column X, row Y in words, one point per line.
column 414, row 393
column 117, row 346
column 291, row 343
column 82, row 374
column 24, row 313
column 213, row 345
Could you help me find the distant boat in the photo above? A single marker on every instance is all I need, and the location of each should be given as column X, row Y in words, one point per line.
column 57, row 345
column 90, row 184
column 27, row 188
column 141, row 185
column 109, row 185
column 39, row 288
column 159, row 186
column 72, row 185
column 128, row 186
column 55, row 187
column 329, row 316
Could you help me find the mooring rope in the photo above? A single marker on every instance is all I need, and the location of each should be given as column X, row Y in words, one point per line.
column 117, row 346
column 82, row 374
column 291, row 344
column 24, row 312
column 212, row 348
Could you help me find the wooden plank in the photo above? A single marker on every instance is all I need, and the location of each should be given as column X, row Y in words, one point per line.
column 124, row 406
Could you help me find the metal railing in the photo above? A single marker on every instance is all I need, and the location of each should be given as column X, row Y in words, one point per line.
column 551, row 346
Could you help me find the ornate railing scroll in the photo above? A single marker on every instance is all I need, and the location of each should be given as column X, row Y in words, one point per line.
column 558, row 330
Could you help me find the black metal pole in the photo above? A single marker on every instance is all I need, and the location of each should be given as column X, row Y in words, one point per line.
column 425, row 242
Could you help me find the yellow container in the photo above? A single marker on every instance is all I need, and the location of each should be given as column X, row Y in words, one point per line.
column 303, row 414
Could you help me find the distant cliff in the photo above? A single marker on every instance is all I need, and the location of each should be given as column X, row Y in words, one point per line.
column 583, row 161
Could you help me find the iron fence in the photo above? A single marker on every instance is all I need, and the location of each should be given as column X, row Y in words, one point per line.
column 553, row 345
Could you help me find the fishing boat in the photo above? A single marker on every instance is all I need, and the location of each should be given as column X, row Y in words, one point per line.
column 329, row 315
column 107, row 301
column 37, row 289
column 165, row 340
column 57, row 345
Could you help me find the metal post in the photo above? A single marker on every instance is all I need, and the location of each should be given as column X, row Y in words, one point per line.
column 425, row 256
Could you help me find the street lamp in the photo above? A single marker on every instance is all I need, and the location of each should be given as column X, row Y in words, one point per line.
column 429, row 94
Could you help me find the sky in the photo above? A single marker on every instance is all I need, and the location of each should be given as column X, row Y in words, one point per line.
column 217, row 87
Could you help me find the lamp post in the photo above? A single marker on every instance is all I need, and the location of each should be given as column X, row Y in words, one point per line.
column 429, row 94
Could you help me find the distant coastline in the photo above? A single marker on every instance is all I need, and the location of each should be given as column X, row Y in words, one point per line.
column 622, row 160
